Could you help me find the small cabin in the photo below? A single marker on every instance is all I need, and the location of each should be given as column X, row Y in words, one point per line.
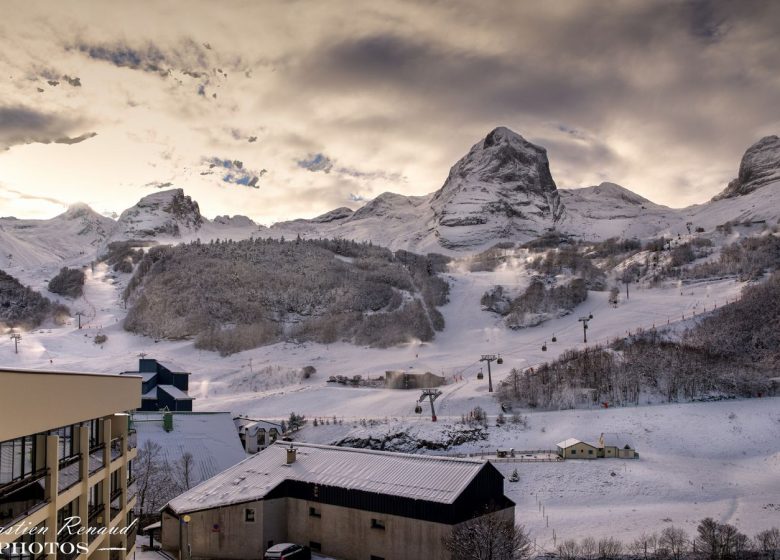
column 573, row 448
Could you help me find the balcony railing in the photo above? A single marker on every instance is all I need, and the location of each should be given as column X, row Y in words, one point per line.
column 132, row 488
column 116, row 448
column 95, row 512
column 70, row 473
column 22, row 498
column 96, row 458
column 131, row 539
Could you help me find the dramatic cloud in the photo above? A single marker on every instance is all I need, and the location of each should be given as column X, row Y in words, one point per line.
column 22, row 125
column 662, row 97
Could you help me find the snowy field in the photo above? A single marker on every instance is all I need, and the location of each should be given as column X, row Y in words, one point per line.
column 720, row 459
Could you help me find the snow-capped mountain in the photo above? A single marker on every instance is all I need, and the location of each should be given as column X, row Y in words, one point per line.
column 501, row 189
column 73, row 235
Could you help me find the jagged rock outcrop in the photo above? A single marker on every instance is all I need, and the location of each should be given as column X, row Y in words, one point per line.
column 501, row 189
column 759, row 166
column 167, row 213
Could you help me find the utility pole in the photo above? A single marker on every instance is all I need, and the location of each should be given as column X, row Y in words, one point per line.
column 489, row 358
column 584, row 321
column 16, row 337
column 431, row 395
column 79, row 314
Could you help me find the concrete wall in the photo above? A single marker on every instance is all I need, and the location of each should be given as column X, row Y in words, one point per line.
column 39, row 400
column 218, row 533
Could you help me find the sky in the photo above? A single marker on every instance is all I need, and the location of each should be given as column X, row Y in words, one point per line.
column 286, row 109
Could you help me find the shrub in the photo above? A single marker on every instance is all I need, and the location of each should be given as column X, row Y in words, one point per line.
column 69, row 282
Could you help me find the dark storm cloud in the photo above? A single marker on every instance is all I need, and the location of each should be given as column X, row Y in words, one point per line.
column 23, row 125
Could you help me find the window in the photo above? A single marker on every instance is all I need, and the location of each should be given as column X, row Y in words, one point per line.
column 66, row 446
column 315, row 546
column 377, row 524
column 314, row 512
column 17, row 458
column 249, row 515
column 590, row 452
column 573, row 451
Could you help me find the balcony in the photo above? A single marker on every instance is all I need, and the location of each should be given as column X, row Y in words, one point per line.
column 96, row 459
column 132, row 488
column 21, row 498
column 116, row 503
column 116, row 448
column 95, row 520
column 70, row 473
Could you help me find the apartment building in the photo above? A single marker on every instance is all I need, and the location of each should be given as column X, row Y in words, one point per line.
column 66, row 465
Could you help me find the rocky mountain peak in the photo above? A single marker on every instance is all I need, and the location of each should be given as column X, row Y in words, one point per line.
column 760, row 165
column 503, row 186
column 162, row 213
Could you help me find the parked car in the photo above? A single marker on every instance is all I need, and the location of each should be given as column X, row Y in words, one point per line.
column 288, row 551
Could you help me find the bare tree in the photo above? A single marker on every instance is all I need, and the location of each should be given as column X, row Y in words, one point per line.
column 569, row 550
column 184, row 471
column 488, row 537
column 644, row 546
column 673, row 542
column 589, row 549
column 152, row 475
column 768, row 542
column 610, row 548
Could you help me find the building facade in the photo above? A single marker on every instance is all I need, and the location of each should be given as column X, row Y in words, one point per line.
column 347, row 503
column 164, row 386
column 256, row 435
column 66, row 454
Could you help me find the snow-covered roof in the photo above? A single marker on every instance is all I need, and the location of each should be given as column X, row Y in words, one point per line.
column 175, row 392
column 173, row 368
column 150, row 394
column 145, row 375
column 420, row 477
column 616, row 440
column 572, row 441
column 252, row 427
column 210, row 438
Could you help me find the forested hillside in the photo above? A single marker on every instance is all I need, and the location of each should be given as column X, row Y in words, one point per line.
column 235, row 295
column 23, row 307
column 731, row 352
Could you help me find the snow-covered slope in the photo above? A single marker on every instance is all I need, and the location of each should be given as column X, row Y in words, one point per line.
column 71, row 236
column 609, row 210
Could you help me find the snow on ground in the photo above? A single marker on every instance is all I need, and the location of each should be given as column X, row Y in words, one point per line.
column 695, row 459
column 718, row 459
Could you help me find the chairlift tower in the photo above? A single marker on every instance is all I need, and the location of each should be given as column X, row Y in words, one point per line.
column 490, row 358
column 431, row 395
column 584, row 321
column 16, row 337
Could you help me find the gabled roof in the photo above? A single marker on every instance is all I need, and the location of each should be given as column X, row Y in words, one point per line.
column 573, row 441
column 419, row 477
column 176, row 393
